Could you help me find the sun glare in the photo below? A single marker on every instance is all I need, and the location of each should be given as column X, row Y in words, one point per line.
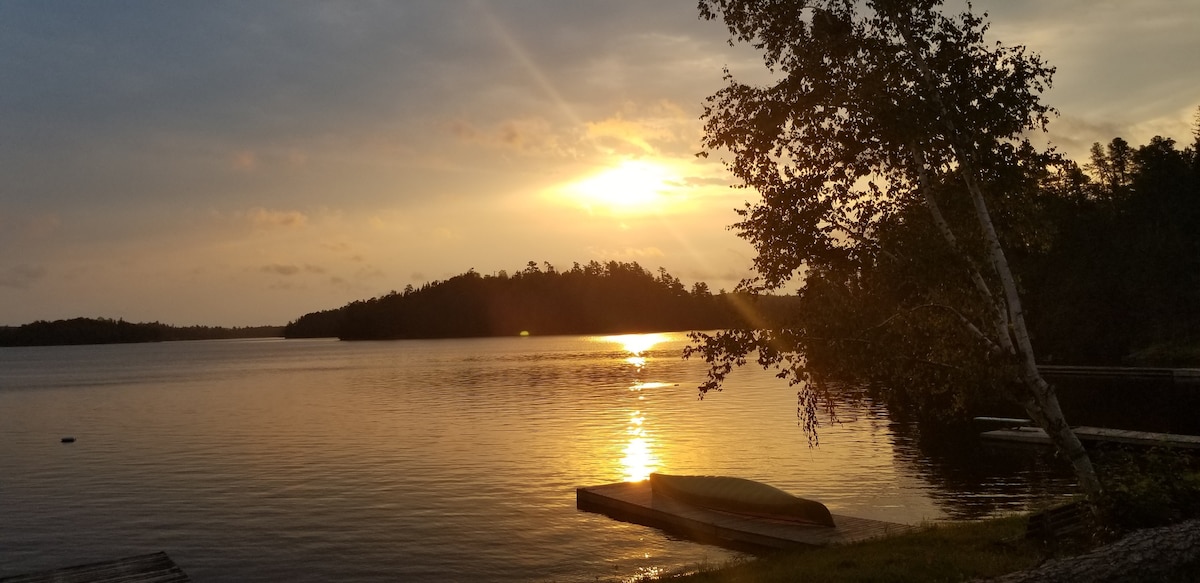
column 631, row 186
column 637, row 344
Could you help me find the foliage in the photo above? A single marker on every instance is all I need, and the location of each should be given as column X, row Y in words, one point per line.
column 1147, row 488
column 586, row 299
column 894, row 172
column 849, row 155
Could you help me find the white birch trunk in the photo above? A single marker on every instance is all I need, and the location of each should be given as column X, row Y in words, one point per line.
column 1041, row 403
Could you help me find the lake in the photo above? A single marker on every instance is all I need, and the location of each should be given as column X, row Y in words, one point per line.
column 449, row 460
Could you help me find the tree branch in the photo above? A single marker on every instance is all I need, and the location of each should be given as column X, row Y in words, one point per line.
column 966, row 322
column 1000, row 319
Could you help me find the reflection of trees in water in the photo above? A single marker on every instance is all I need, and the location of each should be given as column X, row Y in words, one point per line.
column 969, row 479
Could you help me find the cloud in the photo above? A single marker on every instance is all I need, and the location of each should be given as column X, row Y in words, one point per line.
column 624, row 131
column 700, row 181
column 1075, row 136
column 42, row 226
column 659, row 127
column 245, row 161
column 337, row 246
column 626, row 254
column 286, row 286
column 266, row 218
column 288, row 270
column 26, row 230
column 655, row 128
column 21, row 276
column 369, row 272
column 530, row 135
column 277, row 269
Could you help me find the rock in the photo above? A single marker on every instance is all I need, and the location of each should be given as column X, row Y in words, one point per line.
column 1153, row 554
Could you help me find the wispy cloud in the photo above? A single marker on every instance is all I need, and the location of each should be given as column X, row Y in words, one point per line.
column 21, row 276
column 290, row 269
column 267, row 218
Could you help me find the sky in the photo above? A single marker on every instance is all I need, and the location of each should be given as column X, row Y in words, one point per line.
column 244, row 163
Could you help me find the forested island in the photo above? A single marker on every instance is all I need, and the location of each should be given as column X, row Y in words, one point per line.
column 108, row 331
column 595, row 298
column 1109, row 262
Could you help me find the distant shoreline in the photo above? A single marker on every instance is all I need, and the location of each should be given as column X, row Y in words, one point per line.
column 91, row 331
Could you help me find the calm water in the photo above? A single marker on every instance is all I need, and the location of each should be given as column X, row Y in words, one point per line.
column 318, row 460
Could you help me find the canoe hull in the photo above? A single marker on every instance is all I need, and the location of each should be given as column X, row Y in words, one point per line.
column 740, row 496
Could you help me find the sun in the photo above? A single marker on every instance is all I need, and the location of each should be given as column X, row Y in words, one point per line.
column 633, row 185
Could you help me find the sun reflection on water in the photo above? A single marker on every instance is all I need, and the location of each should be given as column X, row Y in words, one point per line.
column 639, row 459
column 639, row 462
column 638, row 344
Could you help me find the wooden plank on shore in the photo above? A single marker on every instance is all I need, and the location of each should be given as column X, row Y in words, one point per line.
column 1097, row 434
column 635, row 502
column 150, row 568
column 1178, row 376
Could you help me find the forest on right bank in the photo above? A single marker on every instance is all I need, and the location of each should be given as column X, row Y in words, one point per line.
column 1106, row 257
column 1117, row 278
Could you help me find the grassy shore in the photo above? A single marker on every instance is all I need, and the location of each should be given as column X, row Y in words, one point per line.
column 942, row 552
column 1144, row 488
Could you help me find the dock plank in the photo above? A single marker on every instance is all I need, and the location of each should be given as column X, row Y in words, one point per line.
column 635, row 502
column 1177, row 376
column 149, row 568
column 1101, row 434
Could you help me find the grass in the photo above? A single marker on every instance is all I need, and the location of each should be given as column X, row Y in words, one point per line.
column 943, row 552
column 1144, row 488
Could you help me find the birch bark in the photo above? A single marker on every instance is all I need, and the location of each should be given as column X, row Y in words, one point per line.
column 1042, row 403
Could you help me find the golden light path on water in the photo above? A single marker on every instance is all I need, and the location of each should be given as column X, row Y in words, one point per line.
column 639, row 459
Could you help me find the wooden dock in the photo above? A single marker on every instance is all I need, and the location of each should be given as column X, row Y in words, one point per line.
column 634, row 502
column 1176, row 376
column 1097, row 434
column 151, row 568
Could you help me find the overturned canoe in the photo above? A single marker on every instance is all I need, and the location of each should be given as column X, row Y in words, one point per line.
column 740, row 496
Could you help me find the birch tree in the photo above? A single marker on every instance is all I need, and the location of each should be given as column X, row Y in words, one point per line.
column 880, row 108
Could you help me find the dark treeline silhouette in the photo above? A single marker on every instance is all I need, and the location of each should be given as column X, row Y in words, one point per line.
column 587, row 299
column 1113, row 279
column 1119, row 282
column 107, row 331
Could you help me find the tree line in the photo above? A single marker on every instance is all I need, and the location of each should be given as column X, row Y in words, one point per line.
column 1105, row 253
column 596, row 298
column 1118, row 281
column 108, row 331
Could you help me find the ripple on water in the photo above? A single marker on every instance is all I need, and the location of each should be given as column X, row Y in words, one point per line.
column 439, row 460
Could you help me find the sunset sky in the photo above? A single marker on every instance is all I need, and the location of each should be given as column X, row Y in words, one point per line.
column 244, row 163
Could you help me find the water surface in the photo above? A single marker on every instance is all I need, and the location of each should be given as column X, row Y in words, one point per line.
column 318, row 460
